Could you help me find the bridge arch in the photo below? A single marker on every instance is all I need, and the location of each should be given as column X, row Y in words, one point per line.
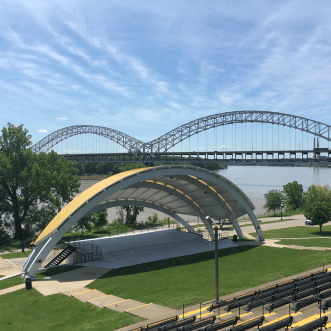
column 185, row 131
column 128, row 142
column 171, row 189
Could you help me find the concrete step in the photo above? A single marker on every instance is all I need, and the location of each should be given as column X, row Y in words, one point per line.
column 150, row 310
column 123, row 305
column 87, row 294
column 75, row 291
column 105, row 300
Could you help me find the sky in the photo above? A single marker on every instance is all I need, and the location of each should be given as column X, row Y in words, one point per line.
column 147, row 67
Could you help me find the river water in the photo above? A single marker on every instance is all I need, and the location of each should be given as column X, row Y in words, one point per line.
column 255, row 181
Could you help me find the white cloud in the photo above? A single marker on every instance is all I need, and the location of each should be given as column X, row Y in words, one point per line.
column 42, row 131
column 62, row 118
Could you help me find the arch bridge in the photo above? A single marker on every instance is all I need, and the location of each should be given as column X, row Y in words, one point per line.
column 164, row 143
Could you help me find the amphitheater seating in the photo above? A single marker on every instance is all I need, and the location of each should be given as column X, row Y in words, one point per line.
column 220, row 325
column 266, row 289
column 324, row 287
column 324, row 295
column 157, row 324
column 257, row 321
column 277, row 292
column 198, row 324
column 236, row 304
column 319, row 323
column 325, row 305
column 219, row 304
column 305, row 294
column 304, row 303
column 279, row 303
column 283, row 323
column 175, row 325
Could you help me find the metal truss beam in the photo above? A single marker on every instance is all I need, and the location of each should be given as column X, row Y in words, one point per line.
column 128, row 142
column 172, row 138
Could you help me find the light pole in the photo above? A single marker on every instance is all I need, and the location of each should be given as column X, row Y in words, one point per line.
column 217, row 296
column 281, row 211
column 216, row 266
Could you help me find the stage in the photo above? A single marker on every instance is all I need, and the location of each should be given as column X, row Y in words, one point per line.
column 132, row 249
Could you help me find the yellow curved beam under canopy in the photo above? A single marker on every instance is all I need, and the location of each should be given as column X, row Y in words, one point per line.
column 80, row 200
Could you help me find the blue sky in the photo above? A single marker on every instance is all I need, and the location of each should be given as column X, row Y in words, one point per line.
column 146, row 67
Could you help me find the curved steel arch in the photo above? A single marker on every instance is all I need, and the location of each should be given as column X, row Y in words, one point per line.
column 172, row 138
column 98, row 193
column 130, row 143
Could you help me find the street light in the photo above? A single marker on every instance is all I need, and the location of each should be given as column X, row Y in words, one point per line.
column 281, row 211
column 217, row 297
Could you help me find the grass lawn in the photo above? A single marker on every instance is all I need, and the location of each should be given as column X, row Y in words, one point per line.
column 191, row 278
column 30, row 310
column 277, row 221
column 298, row 232
column 13, row 255
column 47, row 273
column 324, row 242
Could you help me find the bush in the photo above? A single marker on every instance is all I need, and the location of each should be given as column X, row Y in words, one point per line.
column 153, row 219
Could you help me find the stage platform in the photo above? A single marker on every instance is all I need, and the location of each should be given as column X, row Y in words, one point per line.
column 133, row 249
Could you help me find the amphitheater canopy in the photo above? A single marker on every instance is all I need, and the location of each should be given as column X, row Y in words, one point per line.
column 174, row 190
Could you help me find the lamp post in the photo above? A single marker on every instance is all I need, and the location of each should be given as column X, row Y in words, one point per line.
column 217, row 296
column 281, row 211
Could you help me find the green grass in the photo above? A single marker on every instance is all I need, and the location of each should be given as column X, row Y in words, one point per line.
column 10, row 282
column 298, row 232
column 40, row 275
column 15, row 254
column 30, row 310
column 191, row 278
column 324, row 242
column 278, row 221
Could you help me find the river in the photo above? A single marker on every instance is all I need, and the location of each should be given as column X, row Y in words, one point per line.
column 255, row 181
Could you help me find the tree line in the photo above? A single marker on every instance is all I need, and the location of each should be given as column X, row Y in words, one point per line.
column 315, row 203
column 112, row 168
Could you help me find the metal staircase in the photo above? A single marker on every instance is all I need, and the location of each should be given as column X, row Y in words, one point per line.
column 86, row 252
column 60, row 255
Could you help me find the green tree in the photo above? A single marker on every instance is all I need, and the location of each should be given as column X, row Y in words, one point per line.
column 131, row 214
column 84, row 223
column 317, row 206
column 100, row 219
column 33, row 187
column 274, row 200
column 294, row 194
column 153, row 219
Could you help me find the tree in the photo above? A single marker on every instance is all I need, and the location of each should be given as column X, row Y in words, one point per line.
column 100, row 219
column 274, row 200
column 317, row 206
column 131, row 214
column 84, row 223
column 294, row 194
column 33, row 187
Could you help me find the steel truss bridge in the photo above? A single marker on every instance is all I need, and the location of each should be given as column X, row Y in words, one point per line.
column 159, row 148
